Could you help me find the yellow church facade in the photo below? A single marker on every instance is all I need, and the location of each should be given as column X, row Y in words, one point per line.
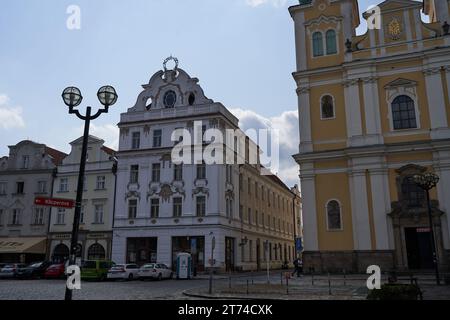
column 374, row 110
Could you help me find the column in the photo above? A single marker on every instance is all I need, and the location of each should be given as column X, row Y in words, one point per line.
column 381, row 205
column 353, row 113
column 360, row 211
column 304, row 114
column 372, row 111
column 443, row 190
column 436, row 104
column 309, row 213
column 300, row 40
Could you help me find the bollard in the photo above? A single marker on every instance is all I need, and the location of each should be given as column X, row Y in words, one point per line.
column 287, row 285
column 329, row 284
column 345, row 278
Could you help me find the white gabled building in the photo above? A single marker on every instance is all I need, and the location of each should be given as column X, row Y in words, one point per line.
column 163, row 209
column 95, row 234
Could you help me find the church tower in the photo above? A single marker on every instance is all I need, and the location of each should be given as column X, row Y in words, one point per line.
column 374, row 111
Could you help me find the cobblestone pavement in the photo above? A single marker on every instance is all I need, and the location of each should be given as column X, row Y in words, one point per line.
column 304, row 288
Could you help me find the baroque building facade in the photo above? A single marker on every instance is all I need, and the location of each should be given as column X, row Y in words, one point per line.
column 95, row 233
column 165, row 207
column 29, row 171
column 374, row 111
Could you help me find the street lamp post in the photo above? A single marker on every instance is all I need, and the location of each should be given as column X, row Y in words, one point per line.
column 213, row 246
column 72, row 98
column 427, row 182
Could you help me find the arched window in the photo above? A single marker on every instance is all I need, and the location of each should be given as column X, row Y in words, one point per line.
column 334, row 215
column 331, row 42
column 413, row 195
column 317, row 44
column 403, row 113
column 327, row 107
column 96, row 252
column 60, row 253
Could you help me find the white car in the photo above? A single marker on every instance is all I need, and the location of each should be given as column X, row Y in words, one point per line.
column 155, row 271
column 123, row 271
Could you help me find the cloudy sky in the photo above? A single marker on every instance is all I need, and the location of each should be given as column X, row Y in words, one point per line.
column 241, row 50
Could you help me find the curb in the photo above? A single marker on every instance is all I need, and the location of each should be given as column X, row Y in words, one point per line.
column 198, row 295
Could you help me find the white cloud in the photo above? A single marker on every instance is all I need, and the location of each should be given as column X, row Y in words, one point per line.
column 257, row 3
column 10, row 117
column 287, row 126
column 107, row 132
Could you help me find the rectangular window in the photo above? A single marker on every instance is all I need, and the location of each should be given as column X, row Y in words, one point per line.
column 256, row 218
column 20, row 187
column 201, row 206
column 101, row 183
column 1, row 216
column 229, row 173
column 241, row 210
column 82, row 214
column 256, row 190
column 177, row 207
column 249, row 217
column 136, row 140
column 249, row 186
column 38, row 218
column 98, row 214
column 132, row 209
column 154, row 208
column 134, row 174
column 178, row 172
column 157, row 138
column 61, row 216
column 201, row 171
column 250, row 249
column 3, row 188
column 15, row 217
column 156, row 172
column 64, row 185
column 25, row 162
column 42, row 187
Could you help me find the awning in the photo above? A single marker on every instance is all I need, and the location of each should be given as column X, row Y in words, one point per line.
column 23, row 245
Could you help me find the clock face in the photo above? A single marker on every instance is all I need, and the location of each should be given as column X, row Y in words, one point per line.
column 169, row 99
column 395, row 29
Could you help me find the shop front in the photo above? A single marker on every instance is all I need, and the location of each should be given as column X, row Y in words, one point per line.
column 193, row 245
column 22, row 250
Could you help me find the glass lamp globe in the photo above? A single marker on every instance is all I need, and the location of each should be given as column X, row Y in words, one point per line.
column 72, row 97
column 107, row 95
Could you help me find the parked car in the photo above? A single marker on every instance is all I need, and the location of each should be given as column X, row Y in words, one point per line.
column 34, row 270
column 10, row 270
column 55, row 271
column 155, row 271
column 95, row 269
column 124, row 272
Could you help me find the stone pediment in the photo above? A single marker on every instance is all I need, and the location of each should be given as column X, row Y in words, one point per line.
column 401, row 82
column 186, row 89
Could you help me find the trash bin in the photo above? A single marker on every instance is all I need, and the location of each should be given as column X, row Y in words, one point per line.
column 184, row 266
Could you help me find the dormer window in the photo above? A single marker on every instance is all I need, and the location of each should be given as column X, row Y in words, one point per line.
column 170, row 98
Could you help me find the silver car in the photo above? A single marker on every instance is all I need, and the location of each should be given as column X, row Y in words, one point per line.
column 10, row 270
column 124, row 272
column 155, row 271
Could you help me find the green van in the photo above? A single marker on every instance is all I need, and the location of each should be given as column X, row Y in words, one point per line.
column 95, row 269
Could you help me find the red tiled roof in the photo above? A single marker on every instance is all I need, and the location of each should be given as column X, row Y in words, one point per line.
column 56, row 155
column 108, row 150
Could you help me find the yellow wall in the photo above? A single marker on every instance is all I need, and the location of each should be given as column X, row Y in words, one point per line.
column 334, row 186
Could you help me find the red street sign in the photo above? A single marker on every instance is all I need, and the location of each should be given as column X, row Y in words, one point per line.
column 59, row 203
